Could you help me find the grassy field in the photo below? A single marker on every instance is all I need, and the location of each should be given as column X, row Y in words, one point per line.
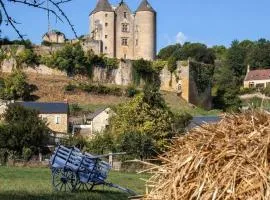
column 35, row 184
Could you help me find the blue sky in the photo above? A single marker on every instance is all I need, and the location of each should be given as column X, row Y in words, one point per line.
column 213, row 22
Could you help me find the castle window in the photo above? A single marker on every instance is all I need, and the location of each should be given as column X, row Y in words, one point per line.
column 106, row 15
column 125, row 28
column 137, row 42
column 106, row 48
column 125, row 15
column 106, row 36
column 124, row 42
column 106, row 24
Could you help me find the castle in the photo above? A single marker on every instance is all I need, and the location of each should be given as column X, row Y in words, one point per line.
column 118, row 32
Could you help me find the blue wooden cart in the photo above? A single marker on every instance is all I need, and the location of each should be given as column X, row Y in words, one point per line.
column 73, row 170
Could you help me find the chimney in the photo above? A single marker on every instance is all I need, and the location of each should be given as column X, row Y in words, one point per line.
column 248, row 68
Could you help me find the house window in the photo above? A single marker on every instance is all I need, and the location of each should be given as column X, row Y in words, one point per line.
column 106, row 24
column 125, row 15
column 124, row 41
column 125, row 28
column 57, row 120
column 251, row 85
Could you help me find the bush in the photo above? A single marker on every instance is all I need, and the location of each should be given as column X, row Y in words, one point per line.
column 70, row 87
column 131, row 91
column 15, row 87
column 27, row 57
column 3, row 156
column 101, row 89
column 27, row 153
column 266, row 91
column 74, row 109
column 247, row 91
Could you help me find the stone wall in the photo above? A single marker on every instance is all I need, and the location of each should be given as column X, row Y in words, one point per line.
column 60, row 126
column 9, row 65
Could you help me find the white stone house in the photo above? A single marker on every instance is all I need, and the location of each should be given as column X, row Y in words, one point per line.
column 93, row 123
column 257, row 78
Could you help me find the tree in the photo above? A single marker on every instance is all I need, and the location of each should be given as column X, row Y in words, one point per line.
column 148, row 117
column 70, row 59
column 15, row 87
column 53, row 8
column 23, row 129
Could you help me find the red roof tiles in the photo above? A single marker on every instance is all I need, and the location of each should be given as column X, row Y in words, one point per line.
column 260, row 74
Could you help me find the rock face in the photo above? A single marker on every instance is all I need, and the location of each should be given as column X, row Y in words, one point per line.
column 180, row 81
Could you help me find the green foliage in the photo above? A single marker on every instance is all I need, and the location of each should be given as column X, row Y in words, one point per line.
column 6, row 41
column 247, row 91
column 136, row 145
column 145, row 123
column 70, row 87
column 172, row 64
column 102, row 144
column 111, row 63
column 3, row 56
column 23, row 129
column 131, row 91
column 15, row 87
column 70, row 59
column 101, row 89
column 266, row 91
column 27, row 153
column 220, row 52
column 74, row 109
column 159, row 65
column 196, row 51
column 202, row 74
column 28, row 57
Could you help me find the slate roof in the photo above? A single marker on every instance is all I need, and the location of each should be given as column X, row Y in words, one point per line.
column 96, row 113
column 145, row 6
column 46, row 108
column 260, row 74
column 102, row 5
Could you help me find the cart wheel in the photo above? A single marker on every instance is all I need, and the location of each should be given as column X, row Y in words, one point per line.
column 64, row 180
column 85, row 186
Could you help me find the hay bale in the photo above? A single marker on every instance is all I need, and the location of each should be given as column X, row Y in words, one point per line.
column 227, row 160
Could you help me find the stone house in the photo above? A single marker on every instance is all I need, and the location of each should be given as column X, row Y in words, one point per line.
column 93, row 123
column 54, row 36
column 54, row 113
column 257, row 78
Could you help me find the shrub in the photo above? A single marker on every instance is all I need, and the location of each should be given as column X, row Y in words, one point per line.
column 27, row 153
column 16, row 87
column 247, row 91
column 27, row 57
column 266, row 91
column 74, row 109
column 131, row 91
column 70, row 87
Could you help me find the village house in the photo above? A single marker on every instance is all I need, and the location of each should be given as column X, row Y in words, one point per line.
column 54, row 113
column 259, row 78
column 93, row 123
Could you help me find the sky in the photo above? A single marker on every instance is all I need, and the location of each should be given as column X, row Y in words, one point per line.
column 213, row 22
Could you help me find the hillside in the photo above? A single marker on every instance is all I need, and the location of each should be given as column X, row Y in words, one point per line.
column 52, row 88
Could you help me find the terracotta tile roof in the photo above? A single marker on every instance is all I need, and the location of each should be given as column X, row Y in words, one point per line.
column 260, row 74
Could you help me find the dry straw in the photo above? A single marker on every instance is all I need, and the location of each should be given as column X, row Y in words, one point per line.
column 228, row 160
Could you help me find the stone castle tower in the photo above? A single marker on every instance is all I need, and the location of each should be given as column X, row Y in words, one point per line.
column 122, row 33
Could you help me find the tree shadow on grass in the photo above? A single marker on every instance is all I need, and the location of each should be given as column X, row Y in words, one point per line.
column 94, row 195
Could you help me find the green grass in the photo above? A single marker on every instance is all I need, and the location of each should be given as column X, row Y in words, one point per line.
column 178, row 105
column 35, row 184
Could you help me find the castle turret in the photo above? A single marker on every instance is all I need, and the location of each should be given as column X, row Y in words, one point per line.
column 145, row 31
column 102, row 27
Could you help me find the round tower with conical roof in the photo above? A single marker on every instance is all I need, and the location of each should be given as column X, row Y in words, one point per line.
column 145, row 32
column 102, row 27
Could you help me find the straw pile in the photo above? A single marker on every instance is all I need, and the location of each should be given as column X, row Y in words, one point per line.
column 228, row 160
